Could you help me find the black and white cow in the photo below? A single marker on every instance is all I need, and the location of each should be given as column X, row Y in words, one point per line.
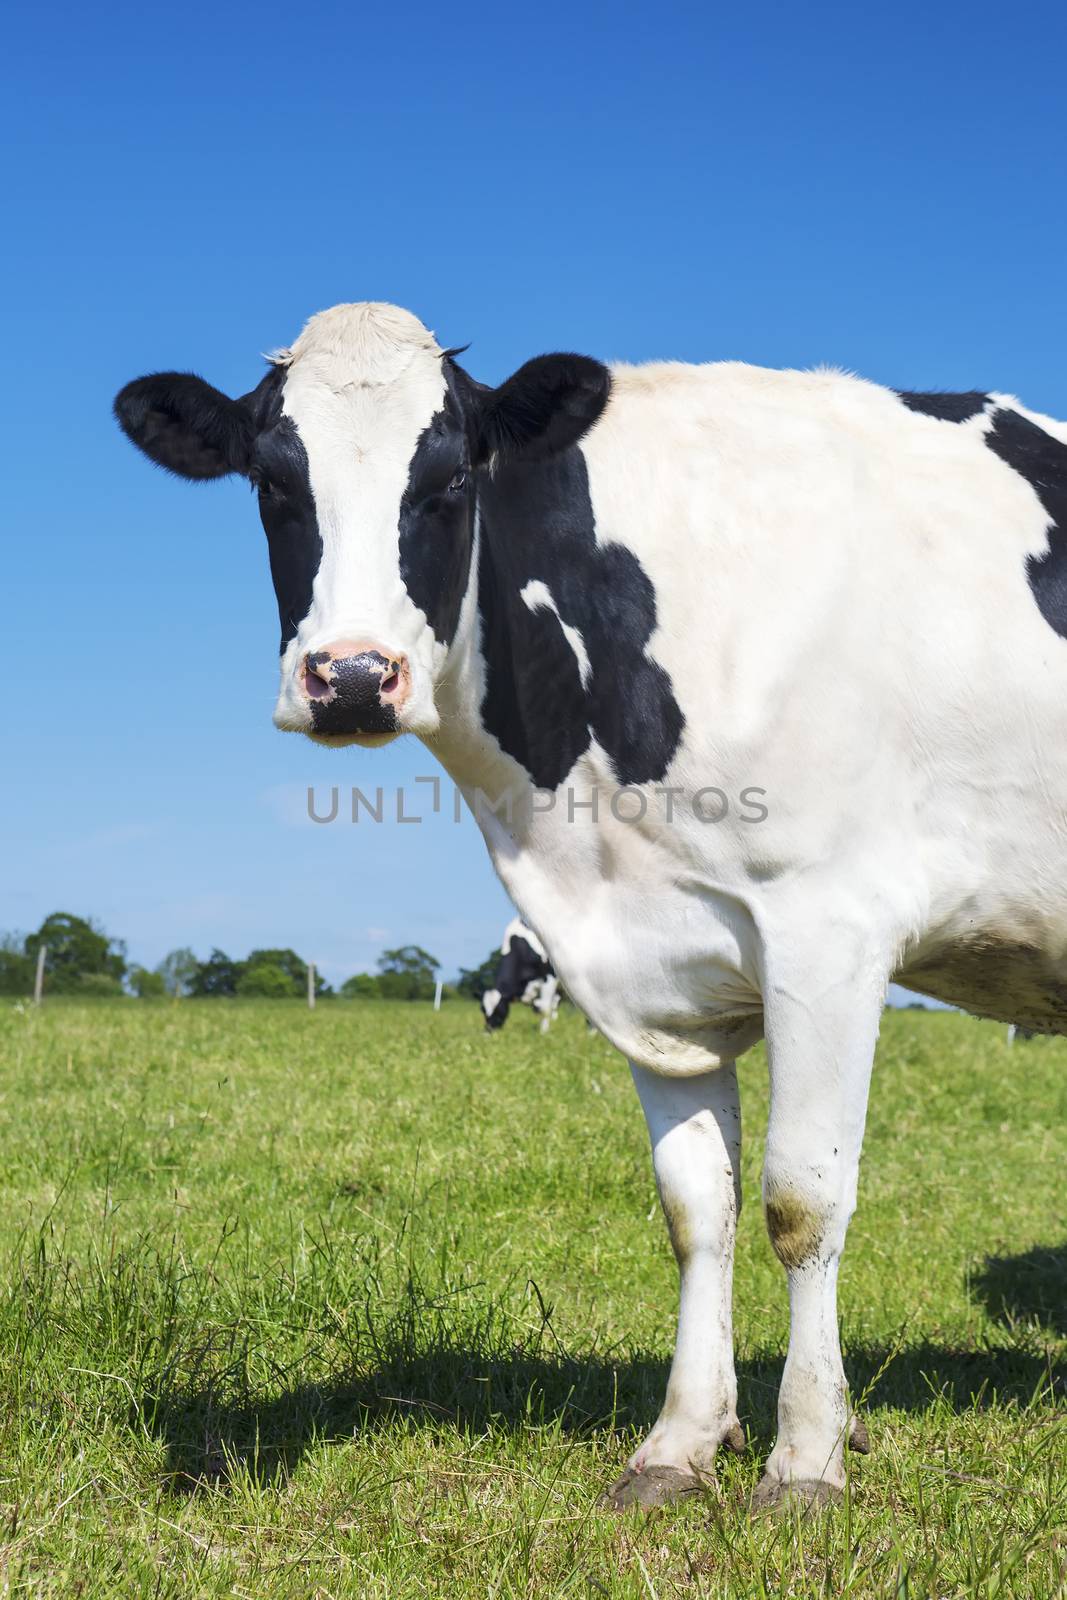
column 523, row 973
column 772, row 668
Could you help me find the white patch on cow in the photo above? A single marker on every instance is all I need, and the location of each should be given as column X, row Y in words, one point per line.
column 363, row 381
column 537, row 594
column 546, row 1003
column 517, row 929
column 490, row 1001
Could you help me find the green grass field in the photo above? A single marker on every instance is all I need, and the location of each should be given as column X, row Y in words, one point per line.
column 364, row 1303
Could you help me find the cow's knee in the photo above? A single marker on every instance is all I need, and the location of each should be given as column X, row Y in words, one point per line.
column 806, row 1206
column 701, row 1222
column 699, row 1189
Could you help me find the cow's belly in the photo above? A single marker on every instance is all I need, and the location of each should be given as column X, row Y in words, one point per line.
column 996, row 881
column 995, row 978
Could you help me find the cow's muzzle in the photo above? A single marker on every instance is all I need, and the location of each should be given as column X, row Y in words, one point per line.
column 355, row 687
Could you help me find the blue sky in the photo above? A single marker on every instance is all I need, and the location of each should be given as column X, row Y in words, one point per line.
column 879, row 187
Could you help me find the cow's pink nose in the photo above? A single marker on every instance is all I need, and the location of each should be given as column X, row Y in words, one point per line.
column 355, row 686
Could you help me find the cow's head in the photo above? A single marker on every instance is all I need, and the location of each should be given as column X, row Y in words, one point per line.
column 495, row 1009
column 364, row 443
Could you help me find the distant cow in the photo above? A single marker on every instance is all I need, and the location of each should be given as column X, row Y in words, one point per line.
column 524, row 973
column 765, row 674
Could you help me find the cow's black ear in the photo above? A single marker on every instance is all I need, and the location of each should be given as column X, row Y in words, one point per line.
column 543, row 408
column 185, row 425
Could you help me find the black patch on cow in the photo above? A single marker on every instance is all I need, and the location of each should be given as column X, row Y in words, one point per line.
column 1042, row 461
column 436, row 516
column 356, row 705
column 518, row 965
column 279, row 470
column 537, row 524
column 946, row 407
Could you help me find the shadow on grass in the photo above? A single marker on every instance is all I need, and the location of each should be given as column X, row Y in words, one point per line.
column 1027, row 1288
column 209, row 1437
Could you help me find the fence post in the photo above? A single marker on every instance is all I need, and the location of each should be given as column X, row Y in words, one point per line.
column 38, row 982
column 311, row 985
column 437, row 994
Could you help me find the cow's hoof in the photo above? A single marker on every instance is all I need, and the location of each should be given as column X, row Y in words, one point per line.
column 653, row 1486
column 735, row 1440
column 803, row 1494
column 858, row 1438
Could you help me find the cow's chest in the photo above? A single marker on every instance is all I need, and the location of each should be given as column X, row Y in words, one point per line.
column 665, row 977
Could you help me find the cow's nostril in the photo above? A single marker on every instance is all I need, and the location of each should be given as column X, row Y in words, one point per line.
column 390, row 683
column 316, row 685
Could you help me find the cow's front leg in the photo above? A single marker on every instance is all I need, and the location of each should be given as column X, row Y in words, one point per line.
column 820, row 1054
column 695, row 1128
column 549, row 1003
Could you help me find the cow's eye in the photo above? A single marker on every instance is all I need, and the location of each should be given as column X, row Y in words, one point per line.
column 457, row 483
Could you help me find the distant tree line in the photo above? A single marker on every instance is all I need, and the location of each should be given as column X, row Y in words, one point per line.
column 82, row 960
column 407, row 973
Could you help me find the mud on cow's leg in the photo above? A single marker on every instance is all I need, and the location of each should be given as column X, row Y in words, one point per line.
column 820, row 1053
column 695, row 1128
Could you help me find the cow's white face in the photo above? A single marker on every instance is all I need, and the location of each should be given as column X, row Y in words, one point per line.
column 366, row 395
column 364, row 442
